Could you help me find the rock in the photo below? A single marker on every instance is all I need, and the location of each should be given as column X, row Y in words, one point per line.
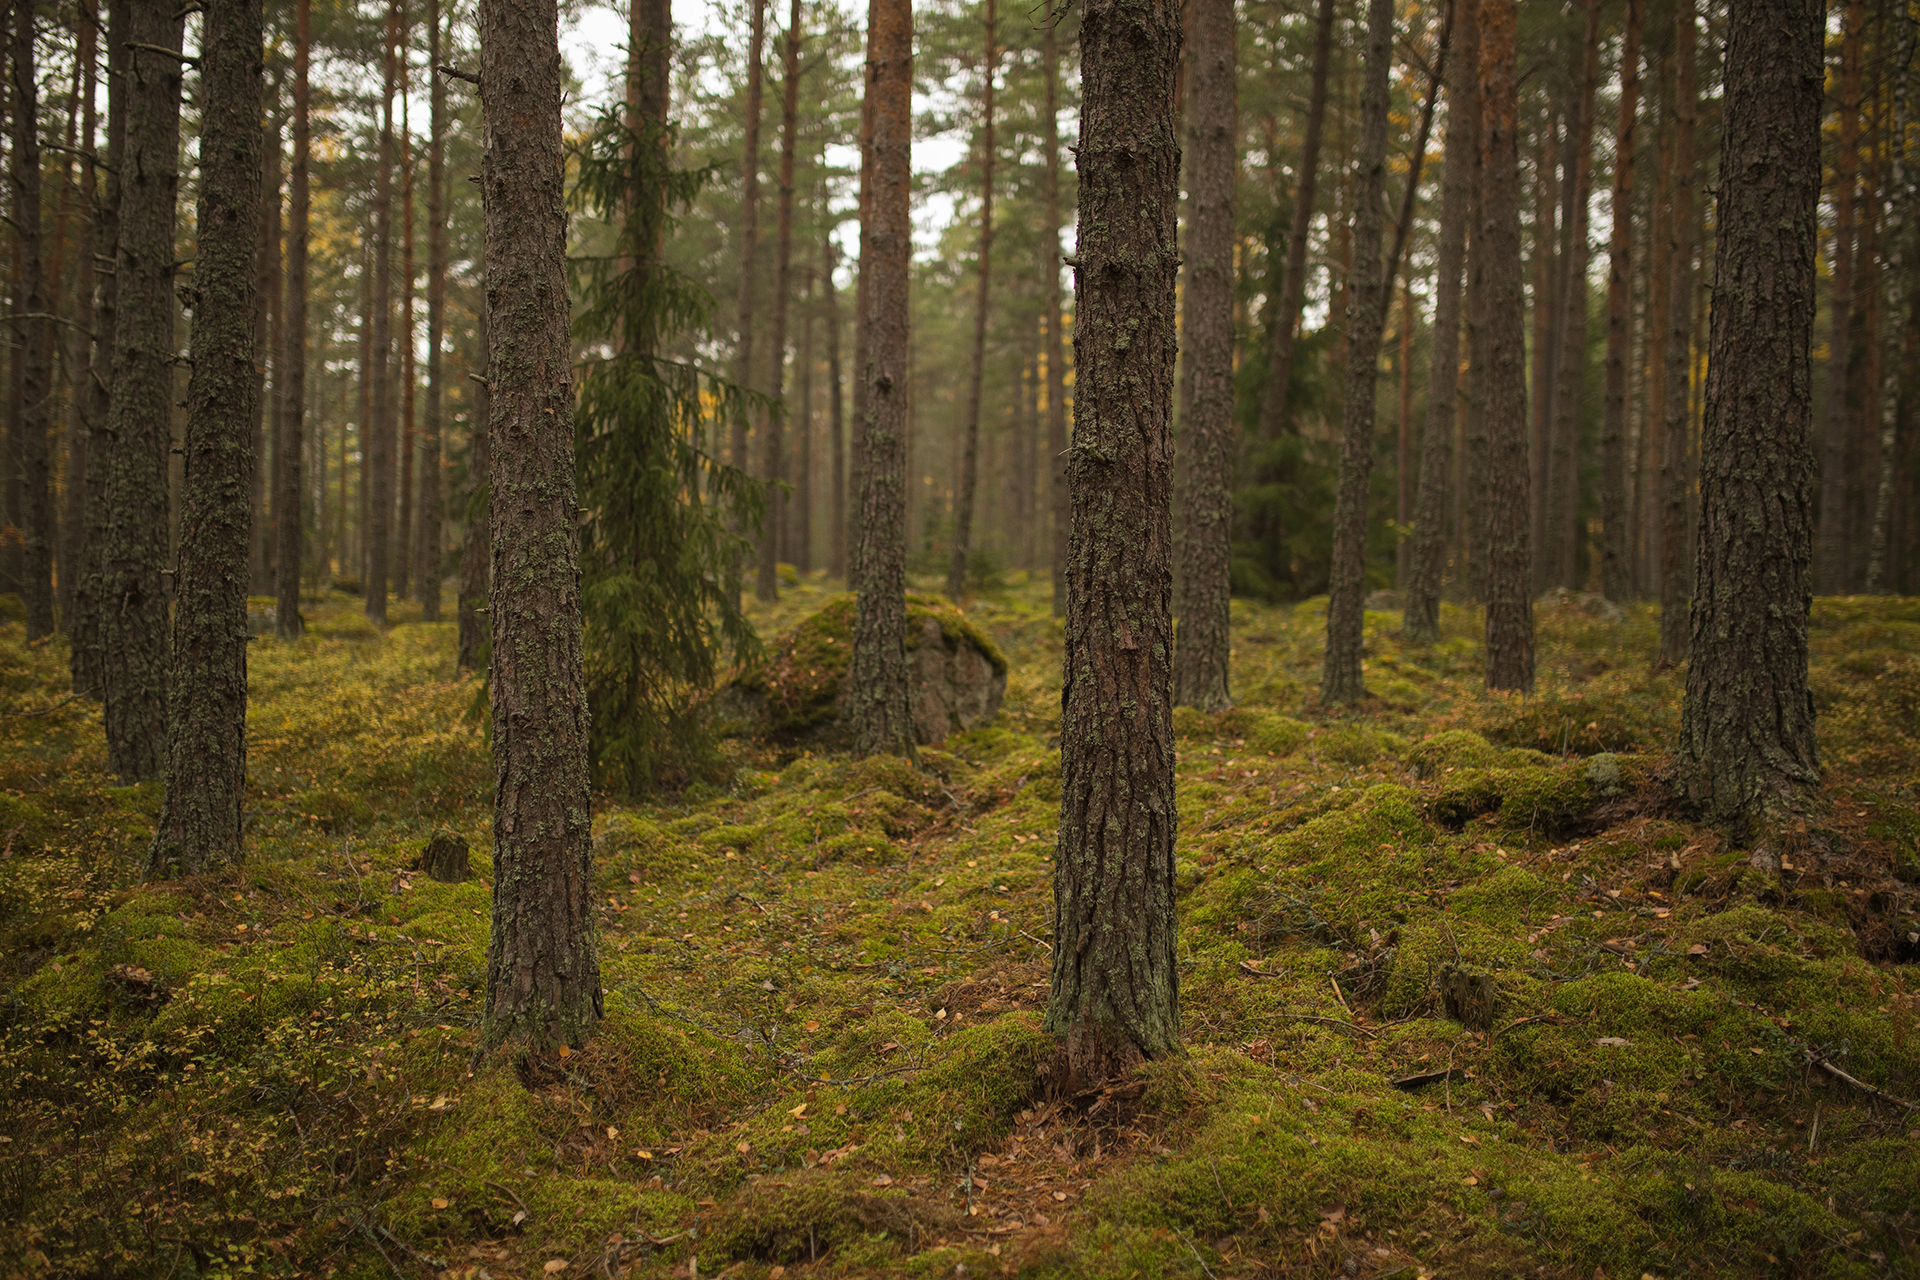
column 1384, row 602
column 1603, row 771
column 1594, row 606
column 956, row 677
column 445, row 858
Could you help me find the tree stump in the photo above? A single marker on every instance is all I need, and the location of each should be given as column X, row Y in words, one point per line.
column 1469, row 996
column 446, row 858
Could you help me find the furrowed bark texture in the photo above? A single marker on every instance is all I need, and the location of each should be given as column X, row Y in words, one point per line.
column 266, row 269
column 1367, row 291
column 882, row 721
column 1835, row 527
column 1115, row 989
column 133, row 545
column 292, row 380
column 378, row 497
column 862, row 338
column 1615, row 572
column 431, row 538
column 1509, row 599
column 1747, row 750
column 476, row 565
column 1679, row 340
column 970, row 430
column 543, row 975
column 836, row 420
column 1056, row 340
column 408, row 379
column 1208, row 436
column 206, row 768
column 80, row 422
column 1422, row 618
column 31, row 351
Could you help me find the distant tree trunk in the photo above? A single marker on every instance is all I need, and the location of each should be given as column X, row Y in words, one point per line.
column 1747, row 752
column 404, row 549
column 1340, row 680
column 1056, row 349
column 476, row 565
column 1679, row 338
column 1547, row 313
column 1403, row 449
column 292, row 380
column 772, row 540
column 1881, row 548
column 749, row 250
column 1509, row 598
column 31, row 351
column 1835, row 528
column 379, row 443
column 206, row 759
column 800, row 526
column 1422, row 618
column 1615, row 565
column 836, row 425
column 1286, row 317
column 266, row 268
column 73, row 562
column 970, row 429
column 543, row 976
column 1557, row 567
column 1470, row 523
column 431, row 537
column 882, row 720
column 1203, row 584
column 862, row 331
column 1659, row 294
column 134, row 542
column 1115, row 988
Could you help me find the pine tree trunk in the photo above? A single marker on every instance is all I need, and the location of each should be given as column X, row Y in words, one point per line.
column 30, row 330
column 1421, row 621
column 862, row 332
column 1747, row 752
column 1470, row 524
column 1403, row 448
column 1881, row 548
column 73, row 561
column 543, row 976
column 1286, row 316
column 429, row 566
column 403, row 549
column 881, row 718
column 266, row 268
column 836, row 425
column 800, row 527
column 1835, row 528
column 1340, row 680
column 1659, row 295
column 970, row 429
column 773, row 454
column 1115, row 987
column 476, row 553
column 1509, row 598
column 292, row 388
column 1209, row 438
column 749, row 250
column 1056, row 349
column 1675, row 549
column 134, row 542
column 1615, row 564
column 1560, row 553
column 206, row 756
column 379, row 444
column 1547, row 312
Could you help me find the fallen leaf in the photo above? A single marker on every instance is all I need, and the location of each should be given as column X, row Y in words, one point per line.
column 612, row 1133
column 813, row 1026
column 555, row 1266
column 798, row 1111
column 884, row 1180
column 1697, row 949
column 1333, row 1212
column 1613, row 1042
column 439, row 1203
column 1059, row 1195
column 565, row 1052
column 644, row 1155
column 743, row 1147
column 1471, row 1181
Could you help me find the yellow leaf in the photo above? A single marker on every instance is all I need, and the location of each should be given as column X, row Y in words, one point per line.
column 798, row 1111
column 565, row 1052
column 439, row 1203
column 555, row 1266
column 743, row 1147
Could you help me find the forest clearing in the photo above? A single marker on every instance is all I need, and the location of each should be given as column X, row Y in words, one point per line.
column 822, row 1044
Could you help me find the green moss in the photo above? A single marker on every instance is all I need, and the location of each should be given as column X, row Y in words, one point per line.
column 1353, row 744
column 24, row 826
column 1581, row 723
column 1277, row 735
column 1465, row 749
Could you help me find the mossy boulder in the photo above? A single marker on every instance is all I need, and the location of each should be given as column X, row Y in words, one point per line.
column 956, row 676
column 1464, row 749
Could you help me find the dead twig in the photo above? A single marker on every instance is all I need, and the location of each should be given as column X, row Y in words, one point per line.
column 1861, row 1085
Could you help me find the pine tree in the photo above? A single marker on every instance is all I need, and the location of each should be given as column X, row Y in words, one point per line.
column 773, row 424
column 1679, row 354
column 1835, row 528
column 377, row 491
column 206, row 761
column 429, row 537
column 1056, row 348
column 1615, row 561
column 292, row 379
column 33, row 356
column 970, row 428
column 73, row 552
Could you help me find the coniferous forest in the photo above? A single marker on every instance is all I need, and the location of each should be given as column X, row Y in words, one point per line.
column 1109, row 640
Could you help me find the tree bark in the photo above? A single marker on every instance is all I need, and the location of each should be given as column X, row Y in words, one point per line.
column 431, row 536
column 30, row 331
column 1615, row 566
column 1056, row 349
column 476, row 568
column 206, row 761
column 836, row 425
column 379, row 443
column 1835, row 528
column 266, row 267
column 134, row 542
column 73, row 561
column 882, row 721
column 1509, row 643
column 1340, row 680
column 1421, row 621
column 970, row 429
column 292, row 381
column 1547, row 311
column 1747, row 752
column 1881, row 549
column 1203, row 585
column 800, row 522
column 772, row 537
column 404, row 548
column 1659, row 315
column 1674, row 548
column 749, row 250
column 862, row 336
column 543, row 975
column 1286, row 318
column 1114, row 997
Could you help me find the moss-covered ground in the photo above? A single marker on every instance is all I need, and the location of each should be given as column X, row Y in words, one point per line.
column 824, row 984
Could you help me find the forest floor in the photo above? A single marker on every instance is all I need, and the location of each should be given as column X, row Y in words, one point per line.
column 824, row 986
